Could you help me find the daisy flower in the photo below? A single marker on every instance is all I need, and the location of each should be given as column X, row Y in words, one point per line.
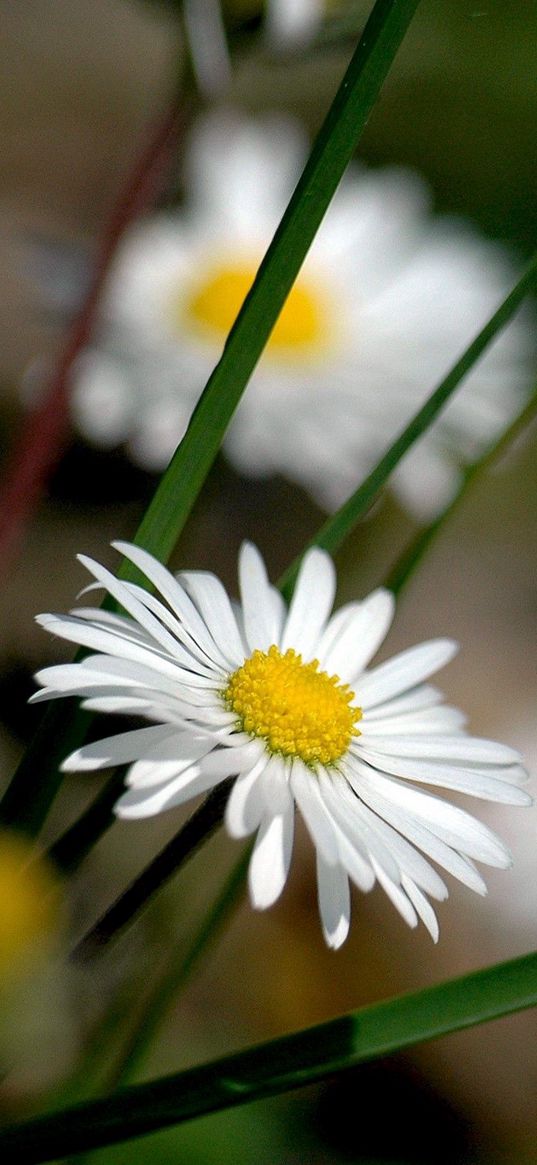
column 388, row 298
column 30, row 907
column 285, row 702
column 292, row 23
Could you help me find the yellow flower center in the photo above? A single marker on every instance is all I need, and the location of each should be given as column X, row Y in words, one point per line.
column 297, row 709
column 216, row 299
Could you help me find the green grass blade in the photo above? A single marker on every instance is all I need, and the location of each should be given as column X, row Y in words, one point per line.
column 177, row 973
column 180, row 485
column 336, row 529
column 331, row 153
column 197, row 829
column 411, row 557
column 278, row 1066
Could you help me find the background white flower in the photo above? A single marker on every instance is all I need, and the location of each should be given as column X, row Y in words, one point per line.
column 285, row 702
column 292, row 23
column 358, row 344
column 388, row 298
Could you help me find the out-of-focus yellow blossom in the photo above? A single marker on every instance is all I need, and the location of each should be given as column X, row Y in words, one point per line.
column 30, row 906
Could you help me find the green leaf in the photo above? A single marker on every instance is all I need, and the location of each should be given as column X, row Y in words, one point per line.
column 180, row 485
column 277, row 1066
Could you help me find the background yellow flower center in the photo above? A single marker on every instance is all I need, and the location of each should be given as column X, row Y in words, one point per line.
column 29, row 905
column 297, row 709
column 214, row 304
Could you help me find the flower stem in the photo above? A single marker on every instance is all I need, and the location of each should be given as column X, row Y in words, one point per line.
column 45, row 432
column 339, row 525
column 199, row 827
column 71, row 847
column 411, row 557
column 155, row 1007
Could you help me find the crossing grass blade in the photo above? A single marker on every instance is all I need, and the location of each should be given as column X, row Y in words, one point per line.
column 278, row 1066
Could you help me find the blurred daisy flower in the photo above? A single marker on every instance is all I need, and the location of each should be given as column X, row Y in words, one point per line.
column 284, row 701
column 292, row 23
column 387, row 300
column 30, row 901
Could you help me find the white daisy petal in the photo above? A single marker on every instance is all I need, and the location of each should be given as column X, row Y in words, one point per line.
column 334, row 901
column 460, row 749
column 336, row 626
column 77, row 631
column 318, row 820
column 130, row 603
column 359, row 869
column 167, row 759
column 418, row 833
column 347, row 812
column 117, row 750
column 426, row 720
column 117, row 705
column 311, row 603
column 271, row 858
column 422, row 907
column 408, row 859
column 491, row 784
column 181, row 645
column 261, row 609
column 453, row 825
column 404, row 671
column 228, row 762
column 215, row 608
column 174, row 594
column 424, row 696
column 121, row 623
column 205, row 661
column 147, row 801
column 246, row 805
column 362, row 636
column 398, row 896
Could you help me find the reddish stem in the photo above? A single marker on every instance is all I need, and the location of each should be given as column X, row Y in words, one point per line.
column 46, row 430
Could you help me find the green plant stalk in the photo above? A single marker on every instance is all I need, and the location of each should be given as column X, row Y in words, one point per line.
column 278, row 1066
column 176, row 974
column 336, row 528
column 180, row 485
column 331, row 153
column 202, row 823
column 409, row 560
column 70, row 848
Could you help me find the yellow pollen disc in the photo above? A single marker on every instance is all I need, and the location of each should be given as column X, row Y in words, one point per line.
column 214, row 305
column 297, row 709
